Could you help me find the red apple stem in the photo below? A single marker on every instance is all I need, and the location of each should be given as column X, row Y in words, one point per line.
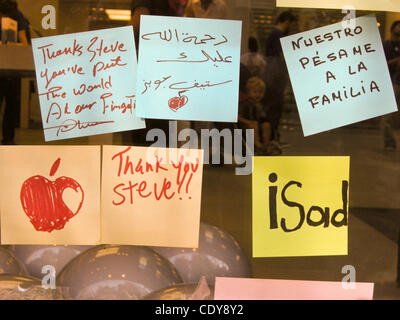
column 54, row 167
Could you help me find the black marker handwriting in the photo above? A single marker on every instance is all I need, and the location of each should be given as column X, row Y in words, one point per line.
column 71, row 124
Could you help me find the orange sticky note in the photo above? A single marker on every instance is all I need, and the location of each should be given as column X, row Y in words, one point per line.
column 50, row 195
column 151, row 196
column 265, row 289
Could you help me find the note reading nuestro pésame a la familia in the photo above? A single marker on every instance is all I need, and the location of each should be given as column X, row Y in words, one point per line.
column 339, row 75
column 188, row 69
column 86, row 83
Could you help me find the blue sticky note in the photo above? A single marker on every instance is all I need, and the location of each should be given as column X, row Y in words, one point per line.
column 339, row 75
column 188, row 69
column 87, row 83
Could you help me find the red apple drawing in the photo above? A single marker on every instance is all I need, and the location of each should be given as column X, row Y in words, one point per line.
column 177, row 102
column 42, row 200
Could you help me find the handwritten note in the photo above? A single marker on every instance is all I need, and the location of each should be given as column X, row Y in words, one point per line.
column 151, row 196
column 50, row 195
column 265, row 289
column 87, row 83
column 300, row 206
column 339, row 76
column 189, row 69
column 9, row 30
column 381, row 5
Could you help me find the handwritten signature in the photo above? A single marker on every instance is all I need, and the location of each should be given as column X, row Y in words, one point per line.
column 178, row 85
column 71, row 124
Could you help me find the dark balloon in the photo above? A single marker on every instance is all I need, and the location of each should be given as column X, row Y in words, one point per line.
column 16, row 287
column 116, row 272
column 36, row 257
column 10, row 264
column 218, row 255
column 183, row 291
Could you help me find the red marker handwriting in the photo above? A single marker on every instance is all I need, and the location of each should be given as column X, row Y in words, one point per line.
column 138, row 171
column 102, row 49
column 183, row 169
column 48, row 53
column 62, row 72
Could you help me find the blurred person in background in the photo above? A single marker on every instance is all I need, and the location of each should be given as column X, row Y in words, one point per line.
column 392, row 52
column 178, row 6
column 148, row 7
column 252, row 115
column 10, row 86
column 277, row 76
column 253, row 60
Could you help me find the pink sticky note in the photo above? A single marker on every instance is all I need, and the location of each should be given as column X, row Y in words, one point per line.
column 265, row 289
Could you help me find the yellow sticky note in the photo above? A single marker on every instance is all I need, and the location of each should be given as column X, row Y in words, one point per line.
column 300, row 206
column 373, row 5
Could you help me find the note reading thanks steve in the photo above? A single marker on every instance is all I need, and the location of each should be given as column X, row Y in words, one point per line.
column 86, row 83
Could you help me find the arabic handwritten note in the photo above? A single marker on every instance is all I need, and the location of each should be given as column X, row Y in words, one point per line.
column 339, row 76
column 189, row 69
column 300, row 206
column 52, row 199
column 151, row 196
column 87, row 83
column 373, row 5
column 266, row 289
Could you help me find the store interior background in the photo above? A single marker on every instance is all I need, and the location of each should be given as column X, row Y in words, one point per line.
column 226, row 198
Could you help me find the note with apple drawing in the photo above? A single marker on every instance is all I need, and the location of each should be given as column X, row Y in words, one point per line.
column 54, row 198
